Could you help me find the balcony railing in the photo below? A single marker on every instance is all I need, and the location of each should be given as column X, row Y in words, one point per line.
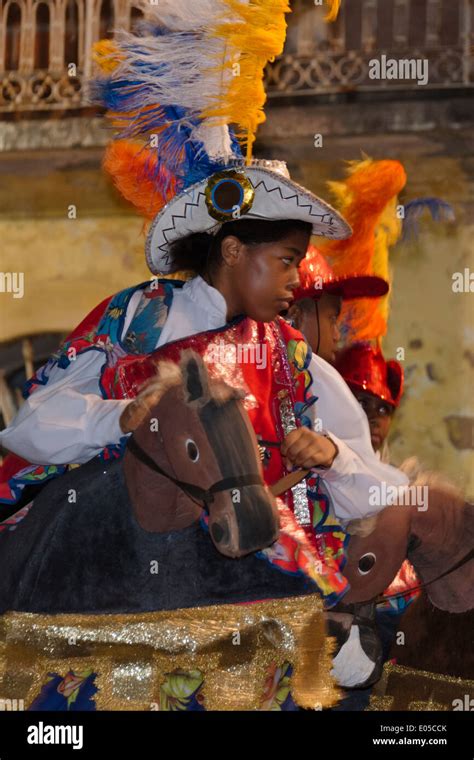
column 45, row 47
column 377, row 44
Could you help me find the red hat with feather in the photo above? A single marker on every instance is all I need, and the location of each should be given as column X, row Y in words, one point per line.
column 317, row 277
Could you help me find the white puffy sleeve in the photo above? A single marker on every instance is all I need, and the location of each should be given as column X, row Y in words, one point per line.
column 357, row 481
column 66, row 420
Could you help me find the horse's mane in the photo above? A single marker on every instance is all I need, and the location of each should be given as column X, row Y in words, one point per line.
column 170, row 374
column 167, row 375
column 361, row 526
column 418, row 475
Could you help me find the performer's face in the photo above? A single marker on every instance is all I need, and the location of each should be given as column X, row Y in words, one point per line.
column 259, row 280
column 379, row 414
column 325, row 338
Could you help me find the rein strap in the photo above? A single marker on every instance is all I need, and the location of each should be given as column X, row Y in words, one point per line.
column 195, row 492
column 421, row 586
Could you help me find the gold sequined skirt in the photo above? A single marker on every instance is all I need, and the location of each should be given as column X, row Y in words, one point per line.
column 236, row 650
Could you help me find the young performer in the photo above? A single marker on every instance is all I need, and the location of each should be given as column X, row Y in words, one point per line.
column 243, row 227
column 377, row 385
column 319, row 298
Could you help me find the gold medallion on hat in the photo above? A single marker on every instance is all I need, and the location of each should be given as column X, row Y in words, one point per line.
column 229, row 195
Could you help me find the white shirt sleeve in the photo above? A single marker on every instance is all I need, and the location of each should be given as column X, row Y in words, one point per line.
column 66, row 420
column 357, row 479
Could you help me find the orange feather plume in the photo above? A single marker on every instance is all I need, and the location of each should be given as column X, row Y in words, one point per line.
column 133, row 169
column 368, row 200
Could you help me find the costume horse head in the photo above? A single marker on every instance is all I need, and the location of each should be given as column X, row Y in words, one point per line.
column 197, row 450
column 436, row 535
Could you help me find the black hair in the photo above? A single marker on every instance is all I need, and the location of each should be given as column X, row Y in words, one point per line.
column 305, row 304
column 201, row 252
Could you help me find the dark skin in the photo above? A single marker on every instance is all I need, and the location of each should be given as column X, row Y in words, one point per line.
column 304, row 318
column 258, row 281
column 303, row 314
column 379, row 413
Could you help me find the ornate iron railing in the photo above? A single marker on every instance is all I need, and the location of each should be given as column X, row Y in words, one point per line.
column 377, row 44
column 45, row 47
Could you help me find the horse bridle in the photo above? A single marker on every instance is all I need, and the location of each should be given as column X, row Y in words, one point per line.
column 463, row 561
column 196, row 493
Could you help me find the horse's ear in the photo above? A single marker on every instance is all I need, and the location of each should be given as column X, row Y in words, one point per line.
column 195, row 378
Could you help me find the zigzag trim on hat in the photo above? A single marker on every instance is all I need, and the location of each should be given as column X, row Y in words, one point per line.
column 164, row 245
column 326, row 219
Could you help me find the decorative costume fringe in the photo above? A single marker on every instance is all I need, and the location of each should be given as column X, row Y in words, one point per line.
column 368, row 200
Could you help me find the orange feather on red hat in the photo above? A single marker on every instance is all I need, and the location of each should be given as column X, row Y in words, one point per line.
column 368, row 200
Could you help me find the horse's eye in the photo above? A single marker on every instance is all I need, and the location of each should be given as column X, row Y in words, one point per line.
column 192, row 450
column 366, row 563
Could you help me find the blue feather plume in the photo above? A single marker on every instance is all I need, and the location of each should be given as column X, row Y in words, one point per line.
column 441, row 211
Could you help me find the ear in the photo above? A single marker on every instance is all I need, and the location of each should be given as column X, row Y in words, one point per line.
column 231, row 250
column 295, row 314
column 195, row 378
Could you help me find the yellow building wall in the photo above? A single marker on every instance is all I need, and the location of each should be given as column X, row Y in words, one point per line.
column 69, row 266
column 435, row 326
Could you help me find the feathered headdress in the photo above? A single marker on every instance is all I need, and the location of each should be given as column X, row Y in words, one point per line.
column 183, row 93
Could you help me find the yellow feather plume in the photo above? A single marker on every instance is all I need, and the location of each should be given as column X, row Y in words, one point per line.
column 334, row 6
column 257, row 38
column 106, row 55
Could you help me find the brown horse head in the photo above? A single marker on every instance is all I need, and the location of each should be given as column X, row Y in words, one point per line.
column 376, row 550
column 199, row 435
column 434, row 534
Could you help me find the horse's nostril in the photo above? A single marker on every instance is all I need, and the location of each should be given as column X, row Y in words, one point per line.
column 366, row 563
column 413, row 544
